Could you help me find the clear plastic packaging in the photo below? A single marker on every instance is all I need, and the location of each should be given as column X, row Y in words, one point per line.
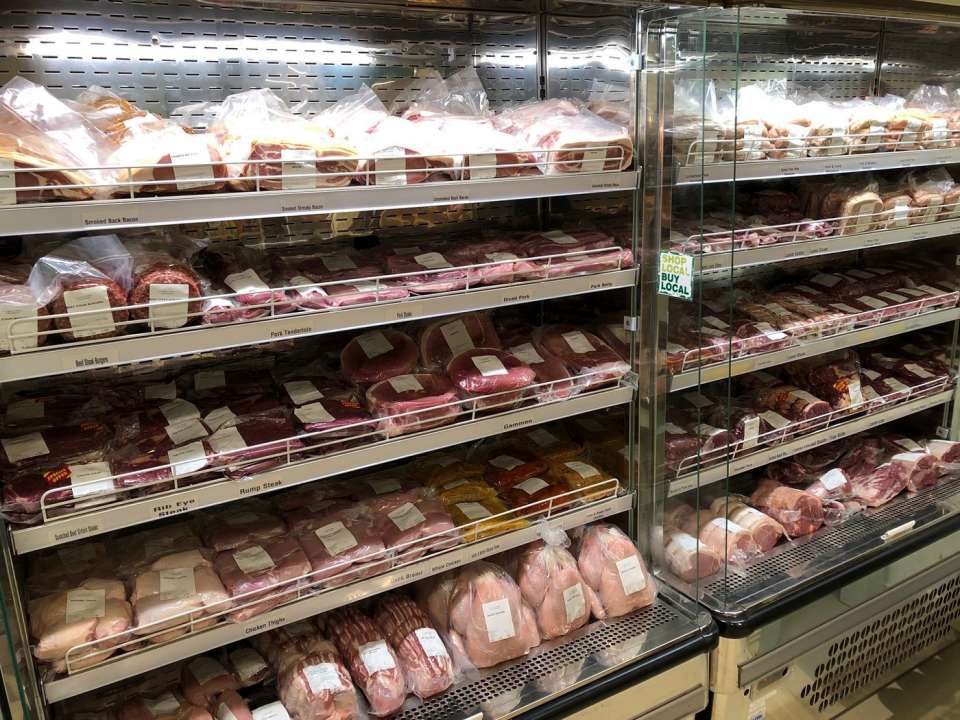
column 612, row 566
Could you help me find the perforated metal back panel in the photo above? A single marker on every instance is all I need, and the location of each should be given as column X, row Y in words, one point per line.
column 162, row 54
column 865, row 656
column 834, row 56
column 914, row 54
column 590, row 59
column 804, row 558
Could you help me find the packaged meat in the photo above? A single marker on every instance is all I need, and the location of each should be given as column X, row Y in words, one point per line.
column 443, row 339
column 270, row 567
column 411, row 524
column 793, row 404
column 373, row 664
column 176, row 595
column 483, row 518
column 586, row 355
column 164, row 282
column 766, row 531
column 879, row 486
column 552, row 586
column 613, row 567
column 489, row 620
column 203, row 678
column 33, row 493
column 237, row 526
column 457, row 491
column 506, row 464
column 96, row 611
column 834, row 377
column 246, row 272
column 229, row 705
column 247, row 666
column 378, row 355
column 729, row 541
column 267, row 439
column 553, row 380
column 489, row 372
column 593, row 482
column 431, row 272
column 947, row 454
column 339, row 540
column 437, row 469
column 426, row 664
column 23, row 323
column 552, row 444
column 168, row 705
column 317, row 686
column 538, row 495
column 688, row 558
column 413, row 402
column 833, row 484
column 919, row 469
column 798, row 512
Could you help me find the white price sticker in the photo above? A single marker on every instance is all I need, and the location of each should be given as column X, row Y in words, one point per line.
column 85, row 605
column 431, row 643
column 247, row 662
column 405, row 383
column 908, row 445
column 833, row 479
column 335, row 537
column 578, row 342
column 474, row 510
column 583, row 469
column 168, row 306
column 298, row 166
column 498, row 620
column 276, row 710
column 192, row 165
column 483, row 166
column 178, row 411
column 10, row 314
column 166, row 704
column 8, row 182
column 543, row 437
column 382, row 486
column 186, row 431
column 374, row 344
column 376, row 657
column 489, row 365
column 593, row 160
column 526, row 353
column 313, row 413
column 323, row 677
column 390, row 171
column 90, row 478
column 226, row 440
column 457, row 337
column 532, row 485
column 209, row 380
column 224, row 712
column 560, row 237
column 215, row 419
column 253, row 559
column 406, row 516
column 245, row 282
column 632, row 577
column 160, row 391
column 24, row 447
column 187, row 459
column 432, row 261
column 505, row 462
column 574, row 602
column 177, row 583
column 302, row 391
column 333, row 263
column 89, row 311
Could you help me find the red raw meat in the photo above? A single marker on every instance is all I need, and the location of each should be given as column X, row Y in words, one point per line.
column 23, row 491
column 831, row 485
column 792, row 403
column 377, row 355
column 547, row 369
column 881, row 485
column 798, row 512
column 165, row 273
column 488, row 371
column 947, row 454
column 333, row 418
column 443, row 339
column 918, row 468
column 431, row 399
column 336, row 541
column 247, row 273
column 85, row 442
column 586, row 355
column 766, row 531
column 501, row 260
column 258, row 569
column 373, row 664
column 254, row 437
column 425, row 661
column 431, row 272
column 116, row 296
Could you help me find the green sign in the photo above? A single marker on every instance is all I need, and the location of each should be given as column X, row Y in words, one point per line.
column 676, row 275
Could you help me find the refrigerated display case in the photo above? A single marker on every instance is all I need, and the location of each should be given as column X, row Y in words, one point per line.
column 272, row 270
column 803, row 397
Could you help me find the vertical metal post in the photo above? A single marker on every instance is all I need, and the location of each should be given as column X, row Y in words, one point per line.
column 24, row 696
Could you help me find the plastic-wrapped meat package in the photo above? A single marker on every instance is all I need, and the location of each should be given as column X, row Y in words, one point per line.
column 547, row 368
column 489, row 622
column 534, row 495
column 498, row 259
column 228, row 705
column 613, row 567
column 489, row 378
column 235, row 527
column 164, row 281
column 165, row 706
column 694, row 522
column 834, row 377
column 774, row 314
column 863, row 458
column 21, row 315
column 681, row 446
column 936, row 295
column 478, row 515
column 95, row 611
column 431, row 272
column 400, row 152
column 576, row 140
column 880, row 486
column 413, row 402
column 552, row 444
column 203, row 678
column 591, row 360
column 247, row 273
column 266, row 439
column 918, row 468
column 508, row 464
column 56, row 490
column 332, row 419
column 688, row 558
column 248, row 666
column 617, row 337
column 373, row 487
column 158, row 453
column 338, row 265
column 86, row 282
column 729, row 540
column 317, row 686
column 593, row 482
column 373, row 664
column 583, row 251
column 947, row 454
column 707, row 344
column 442, row 340
column 881, row 389
column 220, row 412
column 927, row 190
column 829, row 321
column 426, row 664
column 87, row 441
column 377, row 355
column 552, row 586
column 832, row 485
column 806, row 467
column 793, row 403
column 256, row 569
column 798, row 512
column 766, row 531
column 342, row 540
column 220, row 306
column 412, row 524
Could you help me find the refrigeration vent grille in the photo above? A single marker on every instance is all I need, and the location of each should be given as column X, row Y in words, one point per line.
column 166, row 55
column 827, row 547
column 554, row 665
column 864, row 657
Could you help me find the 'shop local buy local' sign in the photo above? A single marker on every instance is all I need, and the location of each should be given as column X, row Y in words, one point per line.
column 676, row 275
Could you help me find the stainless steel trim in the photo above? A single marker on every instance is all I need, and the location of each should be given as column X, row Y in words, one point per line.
column 687, row 704
column 775, row 659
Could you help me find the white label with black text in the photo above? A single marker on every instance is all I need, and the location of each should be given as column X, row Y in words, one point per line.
column 335, row 537
column 89, row 311
column 498, row 620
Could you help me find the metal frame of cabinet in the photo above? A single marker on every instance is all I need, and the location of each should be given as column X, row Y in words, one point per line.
column 171, row 53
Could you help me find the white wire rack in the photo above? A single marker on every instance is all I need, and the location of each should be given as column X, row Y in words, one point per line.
column 168, row 478
column 147, row 637
column 25, row 336
column 793, row 430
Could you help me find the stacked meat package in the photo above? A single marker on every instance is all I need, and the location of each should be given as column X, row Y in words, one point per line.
column 368, row 658
column 237, row 562
column 102, row 146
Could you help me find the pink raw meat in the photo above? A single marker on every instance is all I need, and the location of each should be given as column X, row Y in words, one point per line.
column 203, row 678
column 879, row 486
column 377, row 355
column 340, row 540
column 488, row 371
column 236, row 527
column 729, row 540
column 800, row 513
column 431, row 272
column 688, row 558
column 547, row 369
column 257, row 569
column 430, row 400
column 613, row 567
column 919, row 469
column 586, row 355
column 317, row 686
column 766, row 531
column 442, row 339
column 404, row 518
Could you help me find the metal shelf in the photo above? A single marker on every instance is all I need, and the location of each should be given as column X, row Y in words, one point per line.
column 741, row 366
column 138, row 212
column 770, row 169
column 151, row 657
column 162, row 505
column 76, row 357
column 723, row 470
column 715, row 263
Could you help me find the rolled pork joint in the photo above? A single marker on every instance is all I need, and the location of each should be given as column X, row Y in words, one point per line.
column 424, row 658
column 613, row 567
column 316, row 685
column 688, row 558
column 203, row 678
column 766, row 531
column 591, row 360
column 730, row 541
column 373, row 663
column 378, row 355
column 799, row 513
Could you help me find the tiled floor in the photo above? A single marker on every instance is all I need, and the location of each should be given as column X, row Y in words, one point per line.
column 930, row 691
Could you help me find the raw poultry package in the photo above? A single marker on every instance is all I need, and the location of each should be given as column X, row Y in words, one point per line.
column 270, row 567
column 614, row 569
column 426, row 664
